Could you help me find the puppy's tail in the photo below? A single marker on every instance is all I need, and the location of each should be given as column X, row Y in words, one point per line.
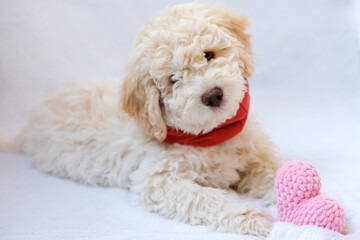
column 13, row 146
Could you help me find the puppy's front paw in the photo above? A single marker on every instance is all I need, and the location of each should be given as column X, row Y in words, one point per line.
column 251, row 221
column 258, row 222
column 269, row 198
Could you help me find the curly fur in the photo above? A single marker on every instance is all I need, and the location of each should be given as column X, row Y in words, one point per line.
column 112, row 134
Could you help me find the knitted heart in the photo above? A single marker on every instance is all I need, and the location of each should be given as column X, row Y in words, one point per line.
column 297, row 189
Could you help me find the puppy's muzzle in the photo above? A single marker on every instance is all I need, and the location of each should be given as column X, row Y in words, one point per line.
column 213, row 97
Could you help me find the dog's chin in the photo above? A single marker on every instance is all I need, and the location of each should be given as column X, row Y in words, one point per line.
column 211, row 125
column 206, row 120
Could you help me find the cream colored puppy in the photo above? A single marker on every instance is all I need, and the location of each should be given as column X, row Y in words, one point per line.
column 113, row 134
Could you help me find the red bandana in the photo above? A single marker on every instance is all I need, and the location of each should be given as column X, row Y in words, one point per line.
column 224, row 132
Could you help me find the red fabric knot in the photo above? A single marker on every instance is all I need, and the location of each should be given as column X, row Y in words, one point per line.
column 224, row 132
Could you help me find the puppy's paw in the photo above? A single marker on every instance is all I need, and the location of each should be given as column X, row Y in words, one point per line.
column 269, row 198
column 250, row 221
column 258, row 222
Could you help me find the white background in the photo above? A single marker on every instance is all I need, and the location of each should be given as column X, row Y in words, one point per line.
column 306, row 91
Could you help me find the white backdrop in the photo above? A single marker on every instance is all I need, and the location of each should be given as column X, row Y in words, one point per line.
column 306, row 91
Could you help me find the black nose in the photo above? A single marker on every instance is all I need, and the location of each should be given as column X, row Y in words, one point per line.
column 213, row 97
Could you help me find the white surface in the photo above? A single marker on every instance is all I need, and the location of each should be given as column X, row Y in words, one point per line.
column 357, row 13
column 306, row 91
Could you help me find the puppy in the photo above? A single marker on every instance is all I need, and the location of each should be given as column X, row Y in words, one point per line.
column 187, row 76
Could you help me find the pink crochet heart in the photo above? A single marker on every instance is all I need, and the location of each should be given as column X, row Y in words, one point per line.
column 297, row 189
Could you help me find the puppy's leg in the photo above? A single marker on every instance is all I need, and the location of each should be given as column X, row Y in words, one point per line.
column 262, row 164
column 258, row 179
column 178, row 198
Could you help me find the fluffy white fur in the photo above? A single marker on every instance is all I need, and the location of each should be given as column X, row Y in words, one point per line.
column 112, row 134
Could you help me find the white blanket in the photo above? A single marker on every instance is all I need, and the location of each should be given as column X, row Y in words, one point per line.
column 306, row 91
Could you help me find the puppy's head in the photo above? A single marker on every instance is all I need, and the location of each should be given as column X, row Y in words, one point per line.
column 187, row 69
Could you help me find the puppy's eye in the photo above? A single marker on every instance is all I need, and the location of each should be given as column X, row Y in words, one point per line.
column 172, row 79
column 209, row 55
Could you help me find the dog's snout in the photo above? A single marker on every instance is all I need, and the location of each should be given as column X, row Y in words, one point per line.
column 213, row 97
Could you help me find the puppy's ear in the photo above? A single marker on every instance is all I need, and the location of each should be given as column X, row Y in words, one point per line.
column 236, row 25
column 140, row 100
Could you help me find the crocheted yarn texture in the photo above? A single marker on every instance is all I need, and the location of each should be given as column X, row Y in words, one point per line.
column 297, row 189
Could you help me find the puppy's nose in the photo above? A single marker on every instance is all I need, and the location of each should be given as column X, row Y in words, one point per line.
column 213, row 97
